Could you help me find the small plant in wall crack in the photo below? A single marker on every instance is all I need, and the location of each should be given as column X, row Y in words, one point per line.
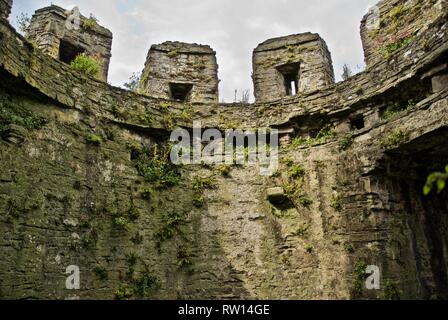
column 393, row 139
column 348, row 247
column 123, row 293
column 296, row 172
column 391, row 290
column 325, row 135
column 360, row 276
column 146, row 283
column 101, row 273
column 184, row 259
column 123, row 223
column 309, row 248
column 124, row 220
column 395, row 44
column 301, row 232
column 153, row 164
column 225, row 170
column 172, row 54
column 147, row 193
column 169, row 226
column 304, row 201
column 199, row 185
column 94, row 139
column 90, row 22
column 346, row 142
column 336, row 203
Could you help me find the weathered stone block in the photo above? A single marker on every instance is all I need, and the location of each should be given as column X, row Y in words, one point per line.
column 285, row 136
column 290, row 65
column 343, row 127
column 439, row 82
column 181, row 71
column 439, row 77
column 276, row 194
column 372, row 118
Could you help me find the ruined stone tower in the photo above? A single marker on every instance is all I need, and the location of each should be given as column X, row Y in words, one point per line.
column 392, row 24
column 60, row 34
column 5, row 8
column 290, row 65
column 182, row 72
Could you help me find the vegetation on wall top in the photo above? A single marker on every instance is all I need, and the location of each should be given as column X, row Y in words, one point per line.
column 90, row 22
column 85, row 64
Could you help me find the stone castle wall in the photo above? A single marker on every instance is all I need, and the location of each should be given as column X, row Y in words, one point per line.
column 74, row 189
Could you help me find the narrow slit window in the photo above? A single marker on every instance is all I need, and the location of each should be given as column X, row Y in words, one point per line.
column 290, row 75
column 180, row 91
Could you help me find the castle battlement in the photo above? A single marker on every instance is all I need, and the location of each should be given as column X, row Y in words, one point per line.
column 65, row 34
column 181, row 71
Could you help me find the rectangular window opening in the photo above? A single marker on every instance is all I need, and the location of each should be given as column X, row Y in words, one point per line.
column 68, row 52
column 180, row 91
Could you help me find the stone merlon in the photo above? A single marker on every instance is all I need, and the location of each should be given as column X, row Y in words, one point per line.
column 49, row 31
column 291, row 65
column 181, row 71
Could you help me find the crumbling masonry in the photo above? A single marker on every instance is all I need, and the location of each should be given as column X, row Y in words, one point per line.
column 291, row 65
column 84, row 178
column 182, row 72
column 49, row 32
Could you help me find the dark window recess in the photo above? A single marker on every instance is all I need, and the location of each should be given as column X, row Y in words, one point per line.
column 68, row 52
column 314, row 133
column 290, row 74
column 357, row 123
column 180, row 91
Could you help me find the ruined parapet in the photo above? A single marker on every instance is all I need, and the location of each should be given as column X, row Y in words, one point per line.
column 66, row 34
column 5, row 9
column 393, row 24
column 289, row 65
column 181, row 71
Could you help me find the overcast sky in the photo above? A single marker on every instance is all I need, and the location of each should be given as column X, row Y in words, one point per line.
column 233, row 28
